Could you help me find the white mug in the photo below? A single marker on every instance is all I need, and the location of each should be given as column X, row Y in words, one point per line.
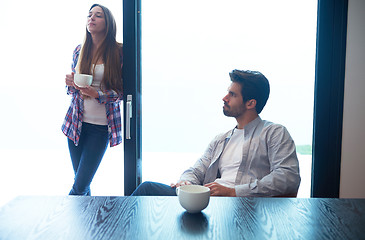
column 194, row 198
column 83, row 80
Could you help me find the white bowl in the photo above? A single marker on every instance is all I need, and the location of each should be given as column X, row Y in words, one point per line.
column 83, row 80
column 194, row 198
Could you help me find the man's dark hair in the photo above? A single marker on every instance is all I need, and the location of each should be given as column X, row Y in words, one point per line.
column 254, row 86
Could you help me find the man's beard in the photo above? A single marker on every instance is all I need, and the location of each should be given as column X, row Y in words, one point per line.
column 227, row 111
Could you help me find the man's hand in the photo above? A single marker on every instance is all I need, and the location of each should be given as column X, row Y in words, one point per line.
column 217, row 189
column 182, row 183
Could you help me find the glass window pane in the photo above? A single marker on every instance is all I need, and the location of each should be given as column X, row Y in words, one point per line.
column 189, row 47
column 38, row 39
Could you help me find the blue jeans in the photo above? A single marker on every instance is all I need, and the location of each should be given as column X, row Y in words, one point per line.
column 86, row 157
column 154, row 189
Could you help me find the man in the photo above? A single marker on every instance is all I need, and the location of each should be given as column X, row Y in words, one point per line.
column 255, row 159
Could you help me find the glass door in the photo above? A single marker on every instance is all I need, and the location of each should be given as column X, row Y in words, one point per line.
column 132, row 94
column 36, row 53
column 190, row 47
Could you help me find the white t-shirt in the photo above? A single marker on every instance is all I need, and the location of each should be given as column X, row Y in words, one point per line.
column 94, row 112
column 231, row 159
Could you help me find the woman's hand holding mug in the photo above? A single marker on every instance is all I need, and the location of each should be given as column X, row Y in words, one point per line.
column 70, row 80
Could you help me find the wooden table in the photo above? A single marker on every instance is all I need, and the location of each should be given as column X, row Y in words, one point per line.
column 73, row 217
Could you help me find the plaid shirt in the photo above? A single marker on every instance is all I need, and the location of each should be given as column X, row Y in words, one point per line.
column 73, row 121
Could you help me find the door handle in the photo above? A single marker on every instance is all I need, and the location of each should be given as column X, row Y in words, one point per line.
column 128, row 117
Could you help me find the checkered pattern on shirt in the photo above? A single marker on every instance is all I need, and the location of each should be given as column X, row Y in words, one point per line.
column 73, row 121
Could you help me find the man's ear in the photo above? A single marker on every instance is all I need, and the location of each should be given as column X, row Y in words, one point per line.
column 251, row 104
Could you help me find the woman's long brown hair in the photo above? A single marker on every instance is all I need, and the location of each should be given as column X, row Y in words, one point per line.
column 110, row 51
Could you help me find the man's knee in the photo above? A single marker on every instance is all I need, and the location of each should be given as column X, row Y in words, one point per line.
column 142, row 189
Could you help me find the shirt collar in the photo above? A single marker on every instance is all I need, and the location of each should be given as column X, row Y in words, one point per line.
column 249, row 128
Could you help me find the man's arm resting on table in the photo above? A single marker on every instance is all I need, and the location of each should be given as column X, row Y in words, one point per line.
column 217, row 189
column 181, row 183
column 277, row 183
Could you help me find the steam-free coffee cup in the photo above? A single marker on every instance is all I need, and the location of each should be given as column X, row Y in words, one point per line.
column 83, row 80
column 194, row 198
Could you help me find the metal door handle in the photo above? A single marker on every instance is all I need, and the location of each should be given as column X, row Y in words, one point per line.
column 128, row 117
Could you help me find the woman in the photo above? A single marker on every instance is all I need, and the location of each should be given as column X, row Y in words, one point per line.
column 93, row 119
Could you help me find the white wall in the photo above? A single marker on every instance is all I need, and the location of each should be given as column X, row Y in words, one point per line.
column 352, row 184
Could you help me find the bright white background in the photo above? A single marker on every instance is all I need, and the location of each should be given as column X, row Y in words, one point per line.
column 188, row 49
column 37, row 41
